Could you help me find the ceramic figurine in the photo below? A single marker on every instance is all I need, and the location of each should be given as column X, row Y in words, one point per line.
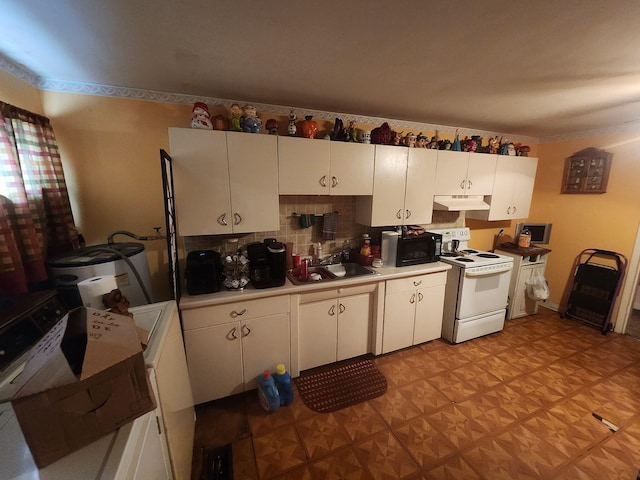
column 523, row 150
column 456, row 147
column 433, row 143
column 201, row 117
column 365, row 136
column 292, row 129
column 396, row 138
column 339, row 132
column 236, row 118
column 309, row 127
column 409, row 140
column 272, row 126
column 381, row 135
column 352, row 133
column 494, row 144
column 421, row 141
column 251, row 123
column 470, row 145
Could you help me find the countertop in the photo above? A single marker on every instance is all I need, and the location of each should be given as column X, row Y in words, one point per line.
column 249, row 293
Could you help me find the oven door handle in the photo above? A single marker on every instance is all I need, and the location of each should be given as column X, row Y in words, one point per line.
column 486, row 273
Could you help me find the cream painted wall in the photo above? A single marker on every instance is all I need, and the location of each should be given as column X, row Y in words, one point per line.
column 19, row 93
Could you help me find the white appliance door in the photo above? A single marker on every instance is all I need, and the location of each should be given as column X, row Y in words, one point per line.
column 483, row 291
column 478, row 326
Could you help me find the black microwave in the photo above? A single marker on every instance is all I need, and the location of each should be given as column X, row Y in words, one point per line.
column 416, row 249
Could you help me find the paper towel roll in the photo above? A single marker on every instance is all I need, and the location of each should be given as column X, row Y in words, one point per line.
column 92, row 289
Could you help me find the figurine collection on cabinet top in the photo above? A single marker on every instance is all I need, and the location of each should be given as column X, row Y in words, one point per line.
column 201, row 117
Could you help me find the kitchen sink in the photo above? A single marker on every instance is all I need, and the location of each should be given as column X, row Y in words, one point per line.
column 349, row 270
column 327, row 273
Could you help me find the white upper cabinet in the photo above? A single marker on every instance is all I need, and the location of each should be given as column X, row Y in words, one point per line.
column 512, row 189
column 465, row 173
column 322, row 167
column 403, row 187
column 224, row 182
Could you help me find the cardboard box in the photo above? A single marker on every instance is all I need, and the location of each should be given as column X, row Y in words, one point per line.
column 84, row 379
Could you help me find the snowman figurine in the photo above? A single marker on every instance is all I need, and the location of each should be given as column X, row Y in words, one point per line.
column 201, row 117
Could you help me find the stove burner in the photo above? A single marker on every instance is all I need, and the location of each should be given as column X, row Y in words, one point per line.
column 470, row 251
column 449, row 254
column 464, row 259
column 488, row 255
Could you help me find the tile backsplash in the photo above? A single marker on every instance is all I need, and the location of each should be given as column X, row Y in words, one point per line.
column 303, row 238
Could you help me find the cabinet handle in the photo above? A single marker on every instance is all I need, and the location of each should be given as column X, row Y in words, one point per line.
column 408, row 213
column 332, row 310
column 342, row 308
column 420, row 297
column 334, row 182
column 413, row 298
column 158, row 425
column 222, row 219
column 416, row 284
column 462, row 184
column 245, row 331
column 232, row 334
column 469, row 184
column 323, row 181
column 509, row 210
column 399, row 214
column 515, row 209
column 235, row 314
column 237, row 218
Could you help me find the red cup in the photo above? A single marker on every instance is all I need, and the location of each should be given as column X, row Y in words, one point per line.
column 296, row 259
column 304, row 269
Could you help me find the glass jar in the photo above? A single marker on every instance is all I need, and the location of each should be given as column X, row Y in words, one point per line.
column 235, row 266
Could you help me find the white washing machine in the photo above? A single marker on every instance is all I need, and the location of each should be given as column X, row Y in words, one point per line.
column 68, row 269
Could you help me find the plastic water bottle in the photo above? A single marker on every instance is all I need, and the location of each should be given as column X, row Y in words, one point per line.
column 268, row 392
column 283, row 384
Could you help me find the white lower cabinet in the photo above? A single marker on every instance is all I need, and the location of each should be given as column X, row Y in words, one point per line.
column 334, row 325
column 413, row 310
column 229, row 345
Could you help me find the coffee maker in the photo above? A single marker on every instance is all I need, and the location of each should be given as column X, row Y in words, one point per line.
column 267, row 263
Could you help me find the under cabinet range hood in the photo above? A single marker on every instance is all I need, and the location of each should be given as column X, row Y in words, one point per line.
column 458, row 203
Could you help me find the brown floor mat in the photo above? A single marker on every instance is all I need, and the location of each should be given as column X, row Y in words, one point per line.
column 342, row 386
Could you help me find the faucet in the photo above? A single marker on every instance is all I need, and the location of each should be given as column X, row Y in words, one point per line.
column 330, row 259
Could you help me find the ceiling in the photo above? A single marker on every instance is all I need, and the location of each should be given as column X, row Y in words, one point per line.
column 540, row 69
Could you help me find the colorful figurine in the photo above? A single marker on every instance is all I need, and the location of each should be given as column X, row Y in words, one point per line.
column 292, row 129
column 251, row 123
column 272, row 126
column 352, row 133
column 409, row 140
column 456, row 147
column 236, row 118
column 421, row 141
column 494, row 145
column 396, row 137
column 201, row 117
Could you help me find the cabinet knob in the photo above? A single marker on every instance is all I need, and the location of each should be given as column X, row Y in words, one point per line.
column 323, row 181
column 222, row 219
column 334, row 182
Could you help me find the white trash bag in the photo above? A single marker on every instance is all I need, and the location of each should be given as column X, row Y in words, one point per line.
column 537, row 287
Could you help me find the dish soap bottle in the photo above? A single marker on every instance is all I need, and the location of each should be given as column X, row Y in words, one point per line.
column 365, row 251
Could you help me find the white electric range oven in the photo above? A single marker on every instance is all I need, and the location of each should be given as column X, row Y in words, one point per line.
column 477, row 288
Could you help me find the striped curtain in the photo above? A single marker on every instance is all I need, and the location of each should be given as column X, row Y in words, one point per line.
column 35, row 213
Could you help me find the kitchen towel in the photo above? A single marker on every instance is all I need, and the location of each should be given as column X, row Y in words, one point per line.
column 307, row 220
column 330, row 226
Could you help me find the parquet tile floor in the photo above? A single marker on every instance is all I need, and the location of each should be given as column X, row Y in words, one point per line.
column 517, row 404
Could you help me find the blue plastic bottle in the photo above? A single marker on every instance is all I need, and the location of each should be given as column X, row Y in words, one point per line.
column 267, row 392
column 283, row 383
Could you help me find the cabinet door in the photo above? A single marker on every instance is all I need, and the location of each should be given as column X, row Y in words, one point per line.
column 399, row 314
column 303, row 166
column 523, row 179
column 317, row 333
column 386, row 206
column 214, row 358
column 420, row 186
column 176, row 401
column 150, row 459
column 481, row 173
column 353, row 325
column 265, row 343
column 351, row 168
column 451, row 173
column 521, row 304
column 429, row 309
column 253, row 172
column 201, row 181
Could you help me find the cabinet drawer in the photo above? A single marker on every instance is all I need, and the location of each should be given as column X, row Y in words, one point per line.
column 333, row 293
column 235, row 311
column 419, row 281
